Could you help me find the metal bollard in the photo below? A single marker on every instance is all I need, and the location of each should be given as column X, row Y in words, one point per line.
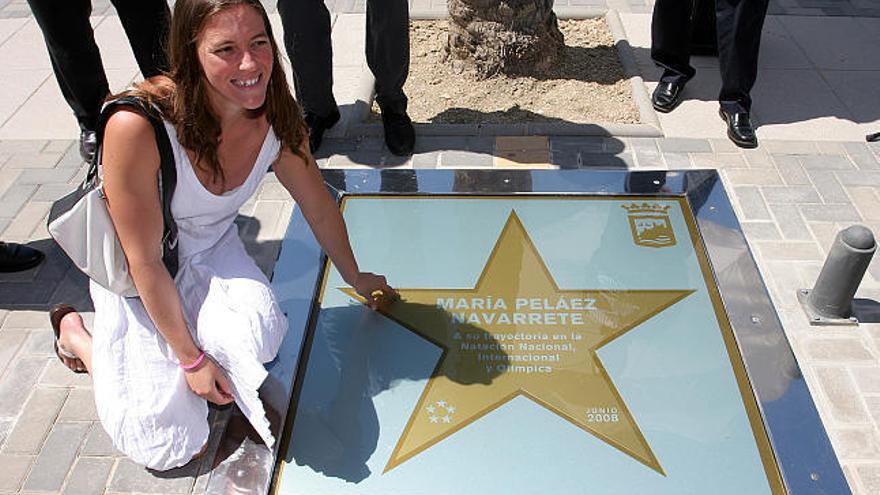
column 830, row 300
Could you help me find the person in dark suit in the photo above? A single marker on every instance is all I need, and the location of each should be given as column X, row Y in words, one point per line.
column 18, row 257
column 77, row 62
column 307, row 39
column 738, row 24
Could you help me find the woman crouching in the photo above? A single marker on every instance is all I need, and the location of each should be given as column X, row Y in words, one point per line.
column 204, row 335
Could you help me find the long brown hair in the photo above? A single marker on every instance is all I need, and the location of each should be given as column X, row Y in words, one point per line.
column 184, row 98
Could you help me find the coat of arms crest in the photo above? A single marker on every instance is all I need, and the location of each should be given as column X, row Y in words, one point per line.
column 650, row 226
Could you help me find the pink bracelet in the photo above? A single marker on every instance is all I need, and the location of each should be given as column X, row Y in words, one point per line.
column 195, row 364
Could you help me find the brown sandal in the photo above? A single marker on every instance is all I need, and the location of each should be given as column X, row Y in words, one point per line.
column 56, row 314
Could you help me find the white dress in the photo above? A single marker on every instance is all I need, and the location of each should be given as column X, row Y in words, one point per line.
column 141, row 394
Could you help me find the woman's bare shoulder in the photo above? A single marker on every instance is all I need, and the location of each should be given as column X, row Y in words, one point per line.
column 127, row 124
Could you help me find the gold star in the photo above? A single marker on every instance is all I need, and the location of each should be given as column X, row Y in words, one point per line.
column 517, row 333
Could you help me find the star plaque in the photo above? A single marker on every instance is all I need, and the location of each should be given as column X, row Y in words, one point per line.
column 517, row 333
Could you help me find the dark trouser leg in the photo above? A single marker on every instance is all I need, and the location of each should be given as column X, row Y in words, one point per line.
column 670, row 38
column 74, row 55
column 146, row 25
column 307, row 39
column 388, row 51
column 739, row 37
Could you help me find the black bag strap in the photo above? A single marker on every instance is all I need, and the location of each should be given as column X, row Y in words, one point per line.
column 167, row 169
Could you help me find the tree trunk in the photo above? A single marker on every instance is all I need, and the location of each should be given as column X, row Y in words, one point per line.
column 513, row 37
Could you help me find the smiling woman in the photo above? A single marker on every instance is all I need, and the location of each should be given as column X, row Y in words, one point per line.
column 204, row 333
column 236, row 55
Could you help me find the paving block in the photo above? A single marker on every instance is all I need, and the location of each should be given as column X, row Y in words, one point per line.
column 873, row 403
column 7, row 179
column 521, row 143
column 19, row 146
column 273, row 191
column 839, row 350
column 26, row 319
column 465, row 159
column 6, row 425
column 790, row 222
column 790, row 169
column 426, row 160
column 684, row 145
column 856, row 443
column 841, row 396
column 519, row 151
column 869, row 475
column 39, row 343
column 644, row 145
column 830, row 148
column 57, row 146
column 35, row 421
column 17, row 383
column 867, row 379
column 98, row 443
column 752, row 177
column 757, row 159
column 650, row 160
column 15, row 467
column 790, row 194
column 89, row 476
column 58, row 375
column 865, row 162
column 859, row 177
column 824, row 232
column 830, row 213
column 10, row 341
column 604, row 160
column 267, row 215
column 130, row 477
column 58, row 454
column 583, row 144
column 80, row 406
column 790, row 147
column 789, row 251
column 678, row 161
column 718, row 160
column 14, row 199
column 34, row 160
column 828, row 187
column 867, row 201
column 51, row 192
column 826, row 162
column 751, row 203
column 761, row 231
column 723, row 145
column 566, row 160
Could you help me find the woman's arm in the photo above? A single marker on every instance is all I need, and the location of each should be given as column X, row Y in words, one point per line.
column 305, row 184
column 131, row 168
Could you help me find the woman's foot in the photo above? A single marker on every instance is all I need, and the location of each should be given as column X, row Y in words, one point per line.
column 70, row 335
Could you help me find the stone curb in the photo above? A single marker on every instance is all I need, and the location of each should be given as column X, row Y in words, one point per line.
column 354, row 115
column 631, row 69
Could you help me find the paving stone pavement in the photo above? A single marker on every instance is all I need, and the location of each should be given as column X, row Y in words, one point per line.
column 791, row 197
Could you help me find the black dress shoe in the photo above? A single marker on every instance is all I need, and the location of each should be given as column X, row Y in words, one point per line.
column 739, row 128
column 88, row 144
column 15, row 257
column 400, row 137
column 317, row 125
column 667, row 95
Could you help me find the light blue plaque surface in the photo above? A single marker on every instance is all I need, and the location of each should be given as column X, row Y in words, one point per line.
column 674, row 371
